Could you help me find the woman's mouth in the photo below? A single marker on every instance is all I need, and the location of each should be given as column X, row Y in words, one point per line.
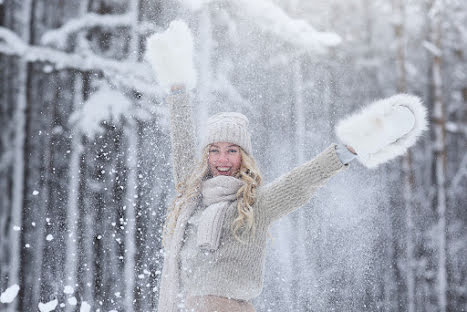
column 223, row 170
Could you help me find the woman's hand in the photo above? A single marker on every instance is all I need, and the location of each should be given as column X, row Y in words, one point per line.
column 350, row 148
column 384, row 129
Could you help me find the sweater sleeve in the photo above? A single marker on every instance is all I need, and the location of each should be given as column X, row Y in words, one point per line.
column 181, row 134
column 295, row 188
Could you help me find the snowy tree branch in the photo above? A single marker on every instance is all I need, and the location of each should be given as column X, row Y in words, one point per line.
column 454, row 127
column 272, row 18
column 134, row 75
column 59, row 36
column 433, row 49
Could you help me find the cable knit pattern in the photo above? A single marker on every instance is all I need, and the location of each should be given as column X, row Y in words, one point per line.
column 235, row 270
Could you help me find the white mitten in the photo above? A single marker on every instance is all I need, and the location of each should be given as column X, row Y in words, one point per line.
column 385, row 129
column 170, row 54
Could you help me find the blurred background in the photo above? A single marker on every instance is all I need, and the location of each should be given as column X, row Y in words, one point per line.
column 85, row 167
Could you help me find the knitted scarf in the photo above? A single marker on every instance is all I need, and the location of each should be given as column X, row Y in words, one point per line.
column 218, row 193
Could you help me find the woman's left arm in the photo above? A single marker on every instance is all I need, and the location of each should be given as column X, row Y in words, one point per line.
column 295, row 188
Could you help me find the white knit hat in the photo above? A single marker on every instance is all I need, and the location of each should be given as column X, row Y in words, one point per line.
column 228, row 127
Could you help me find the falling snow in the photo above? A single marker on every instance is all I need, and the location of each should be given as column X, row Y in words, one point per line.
column 9, row 294
column 86, row 160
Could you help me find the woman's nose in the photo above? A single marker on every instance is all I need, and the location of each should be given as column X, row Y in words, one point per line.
column 223, row 158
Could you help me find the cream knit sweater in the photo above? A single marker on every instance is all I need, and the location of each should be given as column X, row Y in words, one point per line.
column 235, row 270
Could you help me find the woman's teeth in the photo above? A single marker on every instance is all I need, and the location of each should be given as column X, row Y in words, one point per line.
column 223, row 169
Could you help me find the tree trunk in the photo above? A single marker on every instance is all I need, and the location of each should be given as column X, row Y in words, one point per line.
column 439, row 126
column 131, row 183
column 205, row 68
column 399, row 29
column 23, row 21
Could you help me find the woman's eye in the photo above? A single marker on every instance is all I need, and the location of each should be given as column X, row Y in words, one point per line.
column 213, row 151
column 232, row 151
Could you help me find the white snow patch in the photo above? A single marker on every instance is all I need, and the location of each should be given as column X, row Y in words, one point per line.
column 104, row 104
column 9, row 294
column 271, row 18
column 35, row 192
column 49, row 237
column 68, row 290
column 16, row 228
column 33, row 223
column 117, row 294
column 27, row 245
column 85, row 307
column 194, row 5
column 72, row 301
column 49, row 306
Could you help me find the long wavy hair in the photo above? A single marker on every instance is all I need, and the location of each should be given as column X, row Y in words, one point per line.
column 189, row 190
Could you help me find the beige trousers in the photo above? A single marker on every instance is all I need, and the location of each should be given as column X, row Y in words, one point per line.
column 217, row 304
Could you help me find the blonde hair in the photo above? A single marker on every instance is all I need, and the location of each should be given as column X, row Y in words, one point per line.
column 189, row 190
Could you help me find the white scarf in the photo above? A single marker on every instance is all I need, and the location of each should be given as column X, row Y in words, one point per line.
column 218, row 193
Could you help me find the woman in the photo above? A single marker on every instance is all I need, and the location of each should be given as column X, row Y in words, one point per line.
column 215, row 233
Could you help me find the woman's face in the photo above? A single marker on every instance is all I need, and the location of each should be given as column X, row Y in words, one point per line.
column 224, row 159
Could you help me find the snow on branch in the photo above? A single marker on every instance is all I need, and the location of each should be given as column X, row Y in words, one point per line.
column 13, row 41
column 134, row 75
column 298, row 32
column 454, row 127
column 432, row 48
column 106, row 104
column 58, row 37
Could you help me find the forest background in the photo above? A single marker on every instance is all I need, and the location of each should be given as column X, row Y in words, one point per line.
column 85, row 167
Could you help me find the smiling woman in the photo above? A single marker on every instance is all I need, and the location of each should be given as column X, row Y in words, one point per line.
column 216, row 228
column 224, row 159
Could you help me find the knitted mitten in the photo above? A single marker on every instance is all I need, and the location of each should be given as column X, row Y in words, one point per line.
column 385, row 129
column 170, row 54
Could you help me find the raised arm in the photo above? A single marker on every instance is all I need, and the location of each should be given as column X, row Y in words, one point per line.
column 181, row 133
column 295, row 188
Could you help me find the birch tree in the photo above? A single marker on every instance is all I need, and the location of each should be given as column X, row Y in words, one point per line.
column 23, row 20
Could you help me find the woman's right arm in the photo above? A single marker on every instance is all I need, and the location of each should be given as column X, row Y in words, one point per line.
column 181, row 133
